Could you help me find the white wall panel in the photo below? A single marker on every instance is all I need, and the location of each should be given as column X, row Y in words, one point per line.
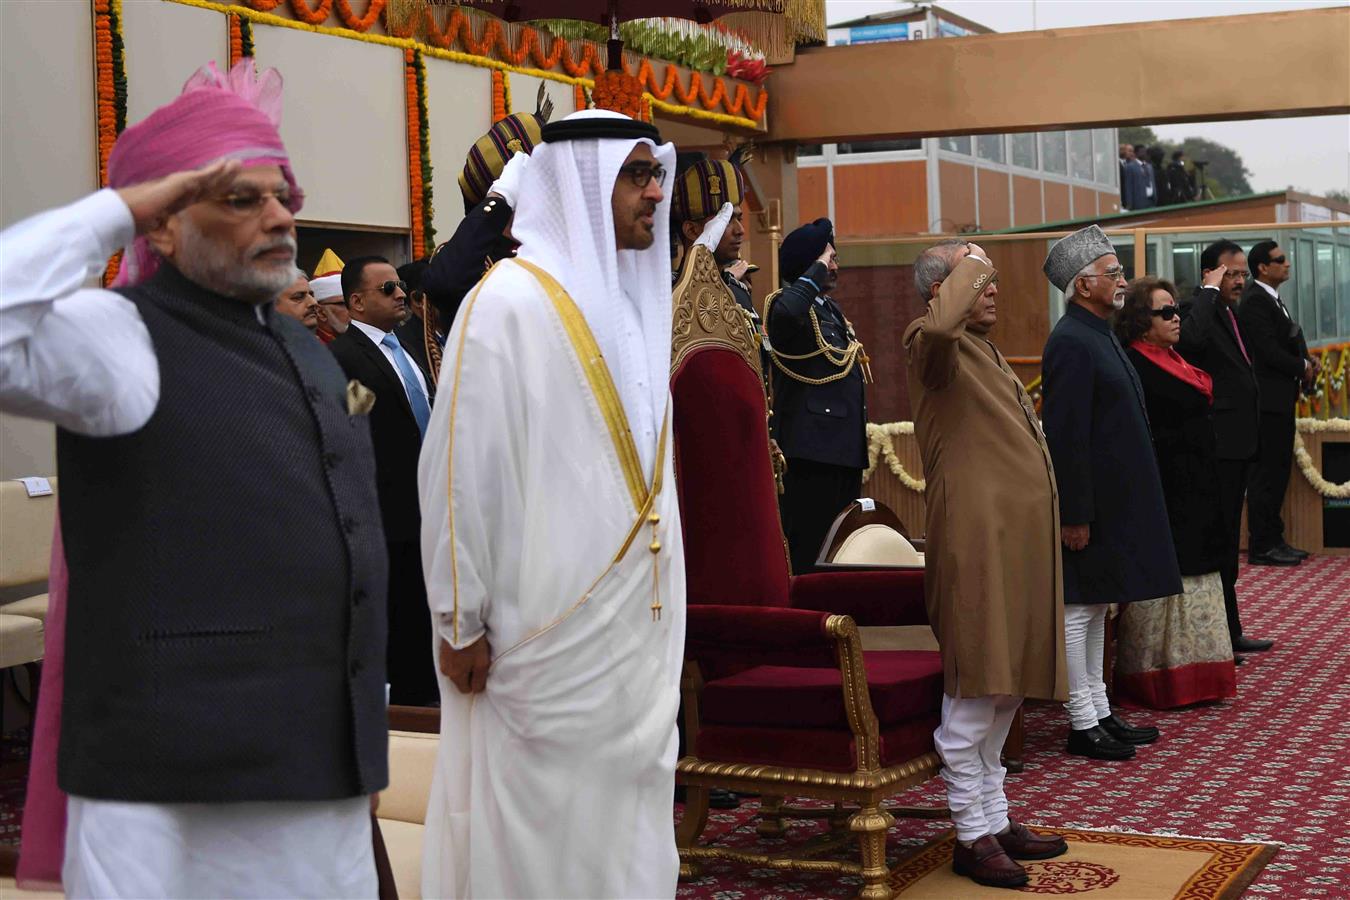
column 525, row 92
column 459, row 111
column 344, row 124
column 48, row 144
column 165, row 43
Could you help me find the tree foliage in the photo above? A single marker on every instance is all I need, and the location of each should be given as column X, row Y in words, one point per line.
column 1226, row 174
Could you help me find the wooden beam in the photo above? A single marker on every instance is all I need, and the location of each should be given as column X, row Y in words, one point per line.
column 1188, row 70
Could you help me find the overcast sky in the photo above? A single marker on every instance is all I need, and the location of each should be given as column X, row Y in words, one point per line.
column 1312, row 154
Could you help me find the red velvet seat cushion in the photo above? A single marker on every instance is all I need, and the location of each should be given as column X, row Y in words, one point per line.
column 903, row 684
column 812, row 748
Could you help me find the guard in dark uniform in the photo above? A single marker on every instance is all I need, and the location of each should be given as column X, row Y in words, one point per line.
column 820, row 404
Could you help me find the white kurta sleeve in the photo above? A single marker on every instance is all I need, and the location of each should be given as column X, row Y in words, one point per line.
column 81, row 358
column 471, row 480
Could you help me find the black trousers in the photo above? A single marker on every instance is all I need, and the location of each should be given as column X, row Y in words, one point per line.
column 1269, row 481
column 814, row 495
column 409, row 657
column 1233, row 474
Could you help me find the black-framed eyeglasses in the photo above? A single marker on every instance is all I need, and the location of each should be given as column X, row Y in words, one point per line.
column 641, row 174
column 1166, row 313
column 388, row 287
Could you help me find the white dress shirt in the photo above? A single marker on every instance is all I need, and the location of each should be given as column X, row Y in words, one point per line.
column 80, row 357
column 378, row 337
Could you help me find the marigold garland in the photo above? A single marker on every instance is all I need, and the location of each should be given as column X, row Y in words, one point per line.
column 110, row 88
column 579, row 98
column 312, row 15
column 500, row 107
column 459, row 30
column 241, row 39
column 360, row 23
column 419, row 155
column 620, row 92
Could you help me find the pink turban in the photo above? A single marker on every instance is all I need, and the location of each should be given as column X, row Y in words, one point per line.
column 215, row 117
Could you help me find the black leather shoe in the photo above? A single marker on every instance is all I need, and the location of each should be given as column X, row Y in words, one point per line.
column 720, row 799
column 1096, row 743
column 1126, row 733
column 1294, row 551
column 1251, row 645
column 1274, row 557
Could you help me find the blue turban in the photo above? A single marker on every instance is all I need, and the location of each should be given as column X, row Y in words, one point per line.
column 803, row 247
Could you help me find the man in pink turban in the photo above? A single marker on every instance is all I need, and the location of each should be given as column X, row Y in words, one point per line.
column 222, row 712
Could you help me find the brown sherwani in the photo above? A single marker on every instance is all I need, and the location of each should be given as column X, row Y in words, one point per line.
column 993, row 582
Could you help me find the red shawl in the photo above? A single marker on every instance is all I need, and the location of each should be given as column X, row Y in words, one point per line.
column 1171, row 362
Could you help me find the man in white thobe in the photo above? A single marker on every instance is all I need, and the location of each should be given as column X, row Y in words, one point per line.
column 551, row 540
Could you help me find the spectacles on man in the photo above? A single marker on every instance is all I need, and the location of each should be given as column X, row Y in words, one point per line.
column 1166, row 313
column 641, row 174
column 1235, row 274
column 1115, row 273
column 252, row 203
column 388, row 287
column 1278, row 260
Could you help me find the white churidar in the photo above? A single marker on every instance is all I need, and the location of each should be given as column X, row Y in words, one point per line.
column 556, row 781
column 1084, row 641
column 970, row 742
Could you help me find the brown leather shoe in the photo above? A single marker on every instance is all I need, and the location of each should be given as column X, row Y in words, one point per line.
column 1020, row 842
column 987, row 864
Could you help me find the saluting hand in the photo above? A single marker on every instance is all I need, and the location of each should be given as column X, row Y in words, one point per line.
column 1075, row 537
column 467, row 669
column 152, row 202
column 1214, row 277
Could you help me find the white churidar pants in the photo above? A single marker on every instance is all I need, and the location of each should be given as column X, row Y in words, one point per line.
column 970, row 742
column 186, row 850
column 1084, row 642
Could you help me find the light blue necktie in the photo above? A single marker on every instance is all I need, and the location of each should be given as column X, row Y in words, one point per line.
column 420, row 408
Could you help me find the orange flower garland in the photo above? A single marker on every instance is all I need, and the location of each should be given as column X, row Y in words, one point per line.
column 459, row 30
column 315, row 15
column 500, row 105
column 236, row 41
column 620, row 92
column 360, row 23
column 110, row 88
column 419, row 166
column 579, row 96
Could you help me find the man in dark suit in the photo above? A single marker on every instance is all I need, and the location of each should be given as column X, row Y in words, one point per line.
column 820, row 403
column 370, row 352
column 1212, row 339
column 1280, row 357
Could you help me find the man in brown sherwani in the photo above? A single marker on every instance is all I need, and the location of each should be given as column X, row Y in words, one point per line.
column 993, row 579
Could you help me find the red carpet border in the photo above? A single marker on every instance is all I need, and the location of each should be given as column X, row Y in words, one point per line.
column 1272, row 765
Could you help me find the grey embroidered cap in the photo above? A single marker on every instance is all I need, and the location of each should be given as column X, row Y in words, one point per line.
column 1070, row 254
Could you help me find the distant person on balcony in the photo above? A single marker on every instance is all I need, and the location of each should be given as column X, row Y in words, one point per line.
column 1148, row 197
column 1212, row 339
column 994, row 584
column 1174, row 651
column 1154, row 158
column 1113, row 516
column 1280, row 357
column 1180, row 185
column 1131, row 179
column 820, row 402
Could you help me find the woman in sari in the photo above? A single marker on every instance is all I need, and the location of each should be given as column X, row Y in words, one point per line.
column 1175, row 651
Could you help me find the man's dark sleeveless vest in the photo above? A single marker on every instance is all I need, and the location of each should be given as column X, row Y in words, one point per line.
column 226, row 625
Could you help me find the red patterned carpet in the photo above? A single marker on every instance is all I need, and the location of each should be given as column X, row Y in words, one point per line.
column 1273, row 765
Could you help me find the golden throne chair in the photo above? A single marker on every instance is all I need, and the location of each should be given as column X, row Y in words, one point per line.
column 780, row 697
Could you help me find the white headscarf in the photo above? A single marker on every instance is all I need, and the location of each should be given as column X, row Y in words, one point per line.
column 565, row 225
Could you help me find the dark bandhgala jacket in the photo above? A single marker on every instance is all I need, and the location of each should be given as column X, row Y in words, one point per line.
column 1277, row 347
column 226, row 624
column 1209, row 342
column 824, row 423
column 1105, row 468
column 1182, row 422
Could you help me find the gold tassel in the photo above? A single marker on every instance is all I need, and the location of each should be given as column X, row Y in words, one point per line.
column 655, row 519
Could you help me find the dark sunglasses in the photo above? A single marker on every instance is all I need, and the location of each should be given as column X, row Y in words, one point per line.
column 389, row 287
column 1166, row 313
column 1278, row 260
column 642, row 174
